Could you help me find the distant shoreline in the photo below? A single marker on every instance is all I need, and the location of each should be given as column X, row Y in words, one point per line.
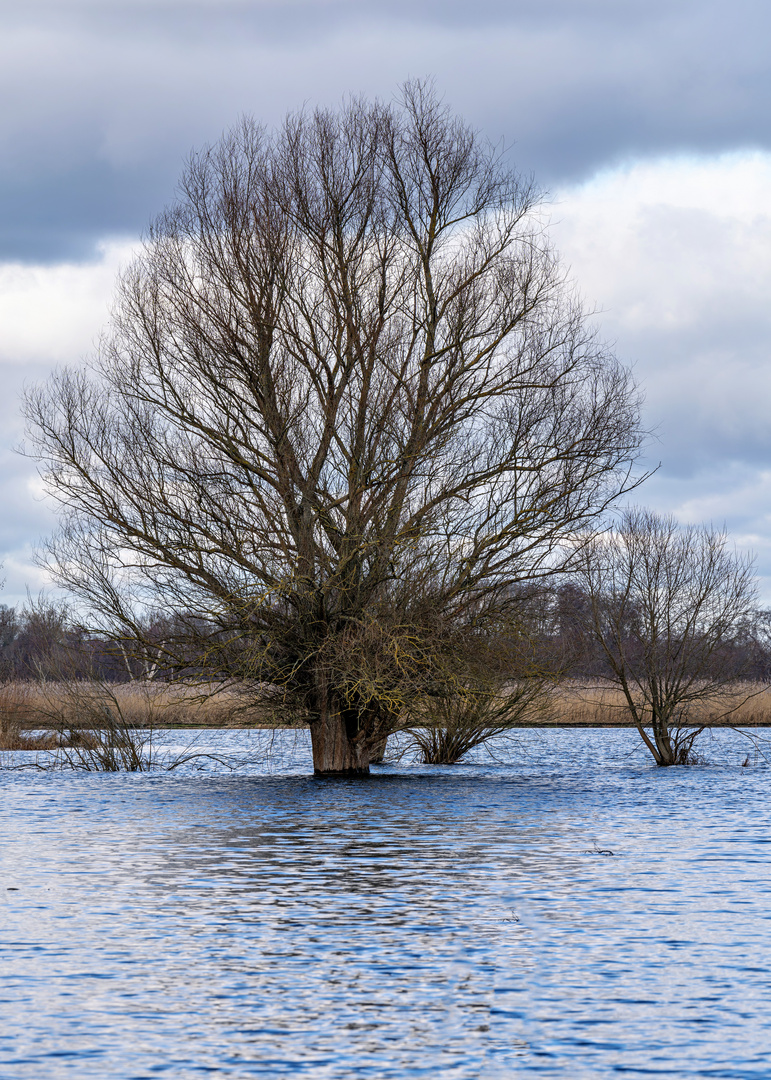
column 30, row 725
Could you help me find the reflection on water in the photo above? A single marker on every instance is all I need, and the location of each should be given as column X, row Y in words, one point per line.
column 422, row 922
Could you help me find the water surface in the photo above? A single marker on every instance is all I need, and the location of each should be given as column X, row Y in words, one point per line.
column 462, row 922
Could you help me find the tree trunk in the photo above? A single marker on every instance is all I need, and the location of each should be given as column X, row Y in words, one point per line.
column 665, row 754
column 378, row 750
column 339, row 747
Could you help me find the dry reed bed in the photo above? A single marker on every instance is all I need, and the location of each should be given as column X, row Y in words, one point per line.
column 581, row 705
column 39, row 716
column 43, row 716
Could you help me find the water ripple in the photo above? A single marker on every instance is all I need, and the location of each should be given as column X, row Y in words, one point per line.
column 573, row 912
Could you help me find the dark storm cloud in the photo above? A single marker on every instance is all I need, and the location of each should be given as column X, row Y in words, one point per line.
column 49, row 217
column 104, row 98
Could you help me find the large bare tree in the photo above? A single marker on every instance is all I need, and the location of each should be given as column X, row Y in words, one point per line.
column 667, row 604
column 347, row 398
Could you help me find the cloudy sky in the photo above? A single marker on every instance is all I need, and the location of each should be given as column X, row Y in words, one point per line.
column 648, row 123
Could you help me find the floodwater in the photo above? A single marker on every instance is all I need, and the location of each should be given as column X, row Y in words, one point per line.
column 567, row 910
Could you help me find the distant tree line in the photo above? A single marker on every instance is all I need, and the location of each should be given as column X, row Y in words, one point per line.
column 43, row 641
column 578, row 653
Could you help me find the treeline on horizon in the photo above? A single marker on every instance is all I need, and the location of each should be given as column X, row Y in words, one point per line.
column 42, row 641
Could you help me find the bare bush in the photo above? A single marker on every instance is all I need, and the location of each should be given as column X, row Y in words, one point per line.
column 665, row 605
column 95, row 726
column 447, row 727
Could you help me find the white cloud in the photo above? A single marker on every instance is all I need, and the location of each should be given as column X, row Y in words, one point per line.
column 677, row 254
column 54, row 313
column 49, row 315
column 668, row 242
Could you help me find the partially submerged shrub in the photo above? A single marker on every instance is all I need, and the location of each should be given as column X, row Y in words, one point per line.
column 90, row 729
column 447, row 726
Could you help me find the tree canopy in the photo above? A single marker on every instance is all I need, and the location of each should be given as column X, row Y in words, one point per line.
column 347, row 401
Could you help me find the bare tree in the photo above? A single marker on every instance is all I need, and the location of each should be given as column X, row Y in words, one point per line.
column 666, row 605
column 347, row 397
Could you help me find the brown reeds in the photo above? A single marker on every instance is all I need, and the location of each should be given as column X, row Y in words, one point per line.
column 15, row 714
column 60, row 703
column 575, row 704
column 29, row 706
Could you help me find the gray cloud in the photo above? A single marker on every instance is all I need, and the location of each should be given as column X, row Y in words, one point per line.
column 104, row 98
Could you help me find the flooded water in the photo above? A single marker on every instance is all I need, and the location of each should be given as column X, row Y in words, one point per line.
column 565, row 911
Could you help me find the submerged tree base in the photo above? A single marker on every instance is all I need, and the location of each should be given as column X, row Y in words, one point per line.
column 336, row 751
column 341, row 773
